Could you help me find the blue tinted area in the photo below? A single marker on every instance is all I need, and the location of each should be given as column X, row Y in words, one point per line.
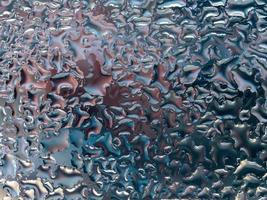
column 133, row 99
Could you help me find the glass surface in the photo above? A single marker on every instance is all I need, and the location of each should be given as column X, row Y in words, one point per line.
column 133, row 99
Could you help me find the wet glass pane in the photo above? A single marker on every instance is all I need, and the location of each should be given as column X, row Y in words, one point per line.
column 133, row 99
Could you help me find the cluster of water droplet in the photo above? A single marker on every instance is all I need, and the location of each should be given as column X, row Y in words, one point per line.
column 133, row 99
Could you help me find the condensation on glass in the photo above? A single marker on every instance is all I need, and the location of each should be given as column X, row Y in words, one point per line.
column 133, row 99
